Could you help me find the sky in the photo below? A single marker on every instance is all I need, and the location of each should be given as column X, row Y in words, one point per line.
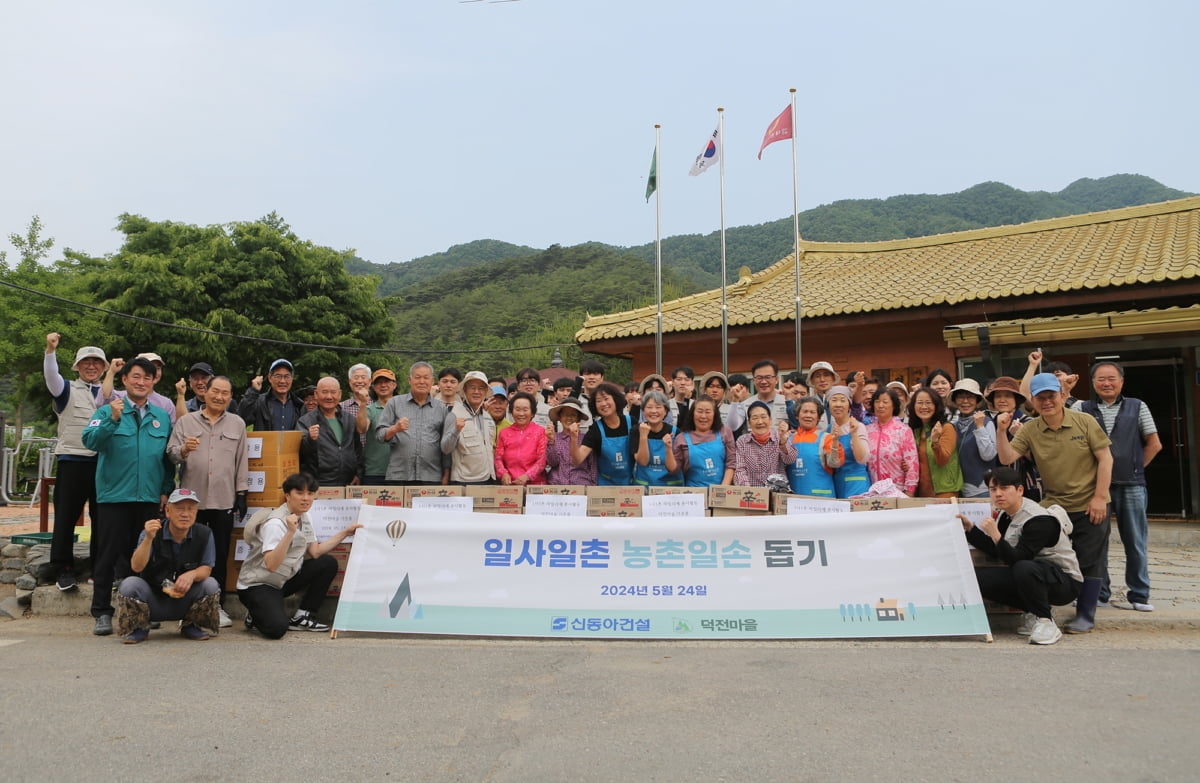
column 398, row 129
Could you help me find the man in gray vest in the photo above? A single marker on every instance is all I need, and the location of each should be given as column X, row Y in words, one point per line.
column 1035, row 545
column 1128, row 423
column 172, row 575
column 75, row 484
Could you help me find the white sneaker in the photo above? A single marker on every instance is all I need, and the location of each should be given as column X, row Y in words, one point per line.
column 224, row 622
column 1028, row 621
column 1045, row 632
column 1134, row 605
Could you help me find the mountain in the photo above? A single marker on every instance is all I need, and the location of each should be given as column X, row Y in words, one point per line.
column 396, row 276
column 900, row 217
column 697, row 257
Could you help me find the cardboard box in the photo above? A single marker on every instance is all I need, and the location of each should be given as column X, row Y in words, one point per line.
column 377, row 496
column 556, row 489
column 922, row 502
column 743, row 498
column 613, row 512
column 779, row 502
column 872, row 504
column 266, row 487
column 614, row 501
column 331, row 493
column 738, row 512
column 496, row 499
column 239, row 523
column 677, row 491
column 432, row 491
column 274, row 450
column 341, row 553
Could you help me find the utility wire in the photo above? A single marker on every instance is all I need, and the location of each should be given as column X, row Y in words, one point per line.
column 197, row 329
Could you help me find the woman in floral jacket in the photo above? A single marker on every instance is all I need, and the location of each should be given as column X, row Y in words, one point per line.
column 893, row 450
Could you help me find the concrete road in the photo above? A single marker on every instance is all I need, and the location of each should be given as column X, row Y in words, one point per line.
column 1117, row 705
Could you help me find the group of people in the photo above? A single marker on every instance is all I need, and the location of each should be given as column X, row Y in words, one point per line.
column 815, row 432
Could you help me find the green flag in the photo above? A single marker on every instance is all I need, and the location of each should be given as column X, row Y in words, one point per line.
column 652, row 180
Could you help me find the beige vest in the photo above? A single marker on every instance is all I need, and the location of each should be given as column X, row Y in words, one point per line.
column 1061, row 554
column 254, row 571
column 81, row 408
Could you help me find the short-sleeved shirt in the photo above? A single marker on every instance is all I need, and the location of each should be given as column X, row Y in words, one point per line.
column 1066, row 457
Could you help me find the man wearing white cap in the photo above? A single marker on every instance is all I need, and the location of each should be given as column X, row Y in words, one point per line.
column 172, row 579
column 472, row 462
column 1072, row 454
column 75, row 484
column 821, row 378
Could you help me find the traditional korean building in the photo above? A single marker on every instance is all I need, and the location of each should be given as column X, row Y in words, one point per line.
column 1121, row 284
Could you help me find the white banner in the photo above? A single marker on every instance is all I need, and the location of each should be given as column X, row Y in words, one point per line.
column 870, row 574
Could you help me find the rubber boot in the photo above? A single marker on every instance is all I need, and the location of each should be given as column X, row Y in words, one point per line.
column 1085, row 606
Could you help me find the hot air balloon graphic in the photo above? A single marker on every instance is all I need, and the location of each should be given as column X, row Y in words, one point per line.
column 395, row 529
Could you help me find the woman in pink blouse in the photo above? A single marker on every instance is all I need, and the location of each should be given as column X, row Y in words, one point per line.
column 893, row 451
column 521, row 446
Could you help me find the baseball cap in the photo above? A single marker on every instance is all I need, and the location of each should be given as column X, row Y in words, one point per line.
column 281, row 362
column 817, row 366
column 383, row 372
column 1044, row 381
column 88, row 352
column 499, row 391
column 182, row 493
column 151, row 356
column 475, row 375
column 203, row 367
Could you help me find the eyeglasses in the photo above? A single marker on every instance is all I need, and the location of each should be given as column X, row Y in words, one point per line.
column 764, row 377
column 281, row 377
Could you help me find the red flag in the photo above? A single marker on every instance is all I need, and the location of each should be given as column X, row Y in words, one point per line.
column 779, row 129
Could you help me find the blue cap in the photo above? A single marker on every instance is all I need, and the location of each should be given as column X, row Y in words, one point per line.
column 1044, row 381
column 499, row 391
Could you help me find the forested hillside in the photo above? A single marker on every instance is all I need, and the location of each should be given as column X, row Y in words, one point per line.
column 473, row 317
column 395, row 276
column 697, row 257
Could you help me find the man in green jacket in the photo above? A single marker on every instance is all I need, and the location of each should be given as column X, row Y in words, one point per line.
column 133, row 479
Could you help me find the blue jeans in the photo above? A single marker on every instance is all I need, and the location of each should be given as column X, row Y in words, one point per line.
column 1129, row 506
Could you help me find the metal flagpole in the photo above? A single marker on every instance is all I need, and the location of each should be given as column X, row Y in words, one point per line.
column 658, row 328
column 796, row 229
column 724, row 275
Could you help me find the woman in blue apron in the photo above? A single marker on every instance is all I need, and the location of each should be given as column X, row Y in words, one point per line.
column 812, row 472
column 851, row 478
column 609, row 438
column 654, row 458
column 705, row 450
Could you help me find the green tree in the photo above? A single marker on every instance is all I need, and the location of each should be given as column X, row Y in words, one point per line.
column 37, row 299
column 183, row 283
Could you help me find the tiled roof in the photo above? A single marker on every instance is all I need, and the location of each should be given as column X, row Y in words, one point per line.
column 1151, row 243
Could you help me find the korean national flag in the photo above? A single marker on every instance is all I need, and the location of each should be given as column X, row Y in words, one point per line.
column 709, row 157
